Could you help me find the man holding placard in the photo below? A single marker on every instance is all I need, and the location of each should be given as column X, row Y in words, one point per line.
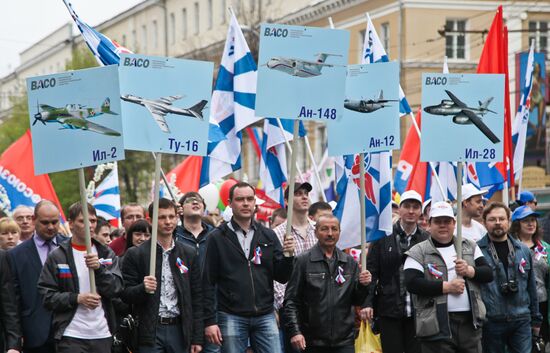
column 83, row 321
column 168, row 304
column 242, row 260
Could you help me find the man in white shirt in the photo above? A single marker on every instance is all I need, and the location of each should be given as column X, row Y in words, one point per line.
column 83, row 321
column 472, row 207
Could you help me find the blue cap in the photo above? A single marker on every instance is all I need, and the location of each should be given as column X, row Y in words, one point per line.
column 526, row 196
column 522, row 212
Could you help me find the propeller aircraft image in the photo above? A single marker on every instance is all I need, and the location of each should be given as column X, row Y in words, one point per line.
column 162, row 106
column 75, row 116
column 368, row 105
column 463, row 114
column 299, row 67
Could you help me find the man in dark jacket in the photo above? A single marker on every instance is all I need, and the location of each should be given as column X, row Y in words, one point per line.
column 193, row 231
column 242, row 260
column 26, row 261
column 83, row 321
column 388, row 296
column 320, row 297
column 10, row 326
column 168, row 305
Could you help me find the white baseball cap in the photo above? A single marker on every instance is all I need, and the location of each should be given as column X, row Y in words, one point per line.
column 469, row 190
column 410, row 195
column 441, row 209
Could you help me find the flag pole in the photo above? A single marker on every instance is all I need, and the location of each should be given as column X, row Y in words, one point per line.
column 315, row 169
column 362, row 211
column 291, row 177
column 165, row 180
column 460, row 165
column 86, row 216
column 154, row 217
column 290, row 149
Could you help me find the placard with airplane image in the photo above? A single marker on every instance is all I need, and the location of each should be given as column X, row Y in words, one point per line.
column 371, row 111
column 75, row 119
column 165, row 104
column 301, row 72
column 462, row 117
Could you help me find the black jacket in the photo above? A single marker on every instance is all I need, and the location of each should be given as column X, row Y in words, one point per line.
column 318, row 307
column 385, row 263
column 199, row 243
column 61, row 293
column 10, row 325
column 26, row 266
column 188, row 286
column 243, row 288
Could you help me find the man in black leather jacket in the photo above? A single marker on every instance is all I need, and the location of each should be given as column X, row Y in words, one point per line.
column 324, row 287
column 10, row 325
column 388, row 296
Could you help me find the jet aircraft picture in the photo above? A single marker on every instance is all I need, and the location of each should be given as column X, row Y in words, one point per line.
column 162, row 106
column 463, row 115
column 368, row 105
column 75, row 116
column 299, row 67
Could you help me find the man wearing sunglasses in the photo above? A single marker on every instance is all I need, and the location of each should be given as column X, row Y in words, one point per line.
column 193, row 231
column 26, row 261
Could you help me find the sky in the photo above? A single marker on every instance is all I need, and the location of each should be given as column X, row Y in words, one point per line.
column 24, row 22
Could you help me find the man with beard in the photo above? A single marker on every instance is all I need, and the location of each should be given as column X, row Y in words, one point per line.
column 472, row 207
column 511, row 299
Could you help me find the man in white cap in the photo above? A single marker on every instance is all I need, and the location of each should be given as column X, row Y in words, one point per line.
column 388, row 299
column 472, row 207
column 446, row 290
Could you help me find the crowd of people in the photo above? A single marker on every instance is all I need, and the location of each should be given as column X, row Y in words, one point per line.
column 237, row 285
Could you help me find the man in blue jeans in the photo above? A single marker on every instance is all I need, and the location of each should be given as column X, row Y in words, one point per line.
column 511, row 298
column 242, row 260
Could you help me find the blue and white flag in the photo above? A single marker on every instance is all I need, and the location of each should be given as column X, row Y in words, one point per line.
column 106, row 199
column 273, row 164
column 377, row 197
column 378, row 173
column 105, row 50
column 519, row 127
column 232, row 108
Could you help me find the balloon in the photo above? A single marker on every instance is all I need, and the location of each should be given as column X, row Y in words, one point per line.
column 224, row 190
column 221, row 206
column 211, row 196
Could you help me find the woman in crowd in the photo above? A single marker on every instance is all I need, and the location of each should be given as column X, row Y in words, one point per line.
column 9, row 233
column 138, row 233
column 526, row 228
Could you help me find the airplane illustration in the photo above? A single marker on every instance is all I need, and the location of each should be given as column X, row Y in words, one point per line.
column 369, row 105
column 75, row 116
column 162, row 106
column 463, row 115
column 299, row 67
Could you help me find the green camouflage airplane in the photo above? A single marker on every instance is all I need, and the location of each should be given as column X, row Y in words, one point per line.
column 75, row 116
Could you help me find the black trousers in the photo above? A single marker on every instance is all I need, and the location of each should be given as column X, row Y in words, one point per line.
column 398, row 335
column 344, row 349
column 48, row 347
column 464, row 339
column 77, row 345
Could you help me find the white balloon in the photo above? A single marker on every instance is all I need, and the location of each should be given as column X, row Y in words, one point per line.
column 211, row 196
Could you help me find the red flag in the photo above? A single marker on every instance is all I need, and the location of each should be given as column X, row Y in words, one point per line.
column 418, row 180
column 188, row 174
column 17, row 177
column 494, row 60
column 408, row 160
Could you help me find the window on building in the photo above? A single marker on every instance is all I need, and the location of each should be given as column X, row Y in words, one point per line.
column 134, row 40
column 223, row 11
column 455, row 39
column 124, row 40
column 155, row 34
column 385, row 33
column 210, row 14
column 184, row 23
column 197, row 18
column 172, row 28
column 538, row 31
column 143, row 43
column 252, row 6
